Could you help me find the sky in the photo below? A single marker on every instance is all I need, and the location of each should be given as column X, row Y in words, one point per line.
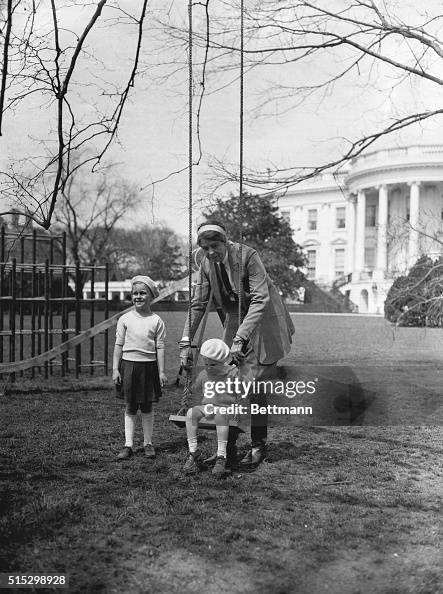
column 153, row 134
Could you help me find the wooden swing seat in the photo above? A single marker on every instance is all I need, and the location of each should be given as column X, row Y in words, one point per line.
column 180, row 421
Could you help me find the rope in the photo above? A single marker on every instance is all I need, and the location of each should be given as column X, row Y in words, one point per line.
column 240, row 204
column 187, row 389
column 190, row 130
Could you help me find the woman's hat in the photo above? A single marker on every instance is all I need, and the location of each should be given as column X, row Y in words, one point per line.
column 215, row 349
column 146, row 280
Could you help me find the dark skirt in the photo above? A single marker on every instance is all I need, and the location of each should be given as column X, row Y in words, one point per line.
column 140, row 383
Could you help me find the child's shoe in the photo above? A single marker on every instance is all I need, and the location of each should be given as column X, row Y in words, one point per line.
column 192, row 464
column 149, row 450
column 125, row 453
column 220, row 466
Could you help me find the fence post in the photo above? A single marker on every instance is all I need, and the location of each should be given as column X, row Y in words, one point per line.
column 2, row 289
column 34, row 294
column 50, row 303
column 78, row 351
column 106, row 346
column 46, row 315
column 22, row 295
column 65, row 305
column 91, row 320
column 12, row 316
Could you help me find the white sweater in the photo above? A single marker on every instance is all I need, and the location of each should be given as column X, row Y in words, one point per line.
column 140, row 336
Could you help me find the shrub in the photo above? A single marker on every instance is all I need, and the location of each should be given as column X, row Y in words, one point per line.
column 417, row 299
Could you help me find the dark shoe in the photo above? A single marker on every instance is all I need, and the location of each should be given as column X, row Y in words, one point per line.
column 149, row 450
column 254, row 457
column 125, row 453
column 220, row 467
column 192, row 464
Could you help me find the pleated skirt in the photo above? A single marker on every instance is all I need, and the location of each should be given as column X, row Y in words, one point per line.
column 140, row 383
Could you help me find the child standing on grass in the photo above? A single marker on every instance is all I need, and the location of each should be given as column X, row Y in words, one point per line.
column 215, row 354
column 139, row 363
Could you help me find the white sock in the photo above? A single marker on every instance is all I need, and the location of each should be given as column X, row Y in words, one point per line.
column 148, row 426
column 193, row 446
column 129, row 430
column 221, row 448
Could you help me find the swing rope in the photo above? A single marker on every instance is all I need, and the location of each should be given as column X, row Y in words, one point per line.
column 187, row 388
column 240, row 203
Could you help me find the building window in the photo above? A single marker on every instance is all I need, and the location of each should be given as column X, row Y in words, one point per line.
column 340, row 217
column 370, row 257
column 312, row 263
column 371, row 210
column 286, row 216
column 312, row 219
column 339, row 262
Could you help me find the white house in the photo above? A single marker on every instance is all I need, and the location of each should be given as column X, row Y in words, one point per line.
column 365, row 226
column 121, row 290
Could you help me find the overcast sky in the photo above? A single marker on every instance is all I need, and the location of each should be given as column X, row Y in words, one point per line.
column 153, row 136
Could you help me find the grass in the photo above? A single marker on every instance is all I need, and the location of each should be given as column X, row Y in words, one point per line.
column 336, row 509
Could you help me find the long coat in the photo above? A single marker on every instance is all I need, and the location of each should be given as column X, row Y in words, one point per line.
column 266, row 323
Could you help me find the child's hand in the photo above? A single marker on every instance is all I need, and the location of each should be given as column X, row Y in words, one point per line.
column 163, row 379
column 116, row 377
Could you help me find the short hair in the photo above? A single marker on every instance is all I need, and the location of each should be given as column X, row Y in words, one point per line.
column 211, row 235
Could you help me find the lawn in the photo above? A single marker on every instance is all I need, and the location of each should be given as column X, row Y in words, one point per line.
column 338, row 509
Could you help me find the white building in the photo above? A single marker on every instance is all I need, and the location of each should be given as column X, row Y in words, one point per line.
column 121, row 290
column 367, row 225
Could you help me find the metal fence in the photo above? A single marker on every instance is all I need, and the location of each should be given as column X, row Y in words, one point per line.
column 42, row 305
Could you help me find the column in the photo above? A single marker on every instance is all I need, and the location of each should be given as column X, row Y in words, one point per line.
column 382, row 224
column 360, row 233
column 325, row 264
column 350, row 224
column 414, row 205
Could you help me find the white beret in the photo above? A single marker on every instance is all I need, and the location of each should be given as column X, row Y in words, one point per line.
column 215, row 349
column 146, row 280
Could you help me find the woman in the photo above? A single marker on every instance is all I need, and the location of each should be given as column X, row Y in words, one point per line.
column 264, row 333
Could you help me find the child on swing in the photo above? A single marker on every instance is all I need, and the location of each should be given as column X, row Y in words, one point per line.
column 139, row 362
column 216, row 355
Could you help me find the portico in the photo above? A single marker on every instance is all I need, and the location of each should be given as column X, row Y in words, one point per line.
column 358, row 265
column 390, row 198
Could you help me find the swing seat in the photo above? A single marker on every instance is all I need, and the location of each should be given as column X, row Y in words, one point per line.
column 180, row 421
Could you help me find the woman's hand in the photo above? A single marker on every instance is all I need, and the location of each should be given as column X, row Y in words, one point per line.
column 116, row 377
column 237, row 351
column 185, row 354
column 163, row 379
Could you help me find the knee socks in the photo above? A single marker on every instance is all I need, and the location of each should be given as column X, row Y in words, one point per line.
column 148, row 425
column 129, row 430
column 221, row 448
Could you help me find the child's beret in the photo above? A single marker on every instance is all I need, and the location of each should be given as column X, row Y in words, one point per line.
column 146, row 280
column 215, row 349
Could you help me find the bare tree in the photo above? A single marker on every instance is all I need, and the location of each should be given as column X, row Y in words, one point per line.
column 57, row 66
column 89, row 211
column 314, row 47
column 153, row 250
